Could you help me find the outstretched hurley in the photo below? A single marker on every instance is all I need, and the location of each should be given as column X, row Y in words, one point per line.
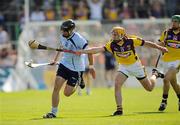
column 33, row 44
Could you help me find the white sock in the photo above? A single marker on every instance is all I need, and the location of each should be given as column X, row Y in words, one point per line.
column 88, row 91
column 109, row 84
column 54, row 110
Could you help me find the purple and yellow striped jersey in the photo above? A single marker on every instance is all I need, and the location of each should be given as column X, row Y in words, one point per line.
column 172, row 43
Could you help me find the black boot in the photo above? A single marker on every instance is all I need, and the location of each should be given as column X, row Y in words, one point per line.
column 157, row 73
column 117, row 113
column 49, row 115
column 163, row 105
column 82, row 84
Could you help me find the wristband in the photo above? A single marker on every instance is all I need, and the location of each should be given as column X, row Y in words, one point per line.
column 91, row 66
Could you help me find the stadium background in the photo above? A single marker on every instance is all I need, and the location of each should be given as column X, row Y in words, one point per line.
column 24, row 20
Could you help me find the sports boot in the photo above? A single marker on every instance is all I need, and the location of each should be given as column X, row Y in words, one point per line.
column 157, row 73
column 163, row 105
column 49, row 115
column 82, row 84
column 117, row 113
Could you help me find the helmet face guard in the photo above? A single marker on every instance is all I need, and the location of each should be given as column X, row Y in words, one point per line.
column 67, row 27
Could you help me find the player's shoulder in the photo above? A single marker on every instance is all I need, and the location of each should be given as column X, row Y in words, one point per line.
column 78, row 36
column 134, row 40
column 134, row 37
column 109, row 42
column 129, row 39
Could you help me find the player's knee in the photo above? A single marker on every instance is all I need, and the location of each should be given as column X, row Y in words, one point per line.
column 149, row 89
column 67, row 94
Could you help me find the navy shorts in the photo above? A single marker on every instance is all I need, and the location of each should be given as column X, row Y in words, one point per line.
column 72, row 77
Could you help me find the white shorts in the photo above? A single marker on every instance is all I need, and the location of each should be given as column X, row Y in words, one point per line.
column 173, row 64
column 136, row 69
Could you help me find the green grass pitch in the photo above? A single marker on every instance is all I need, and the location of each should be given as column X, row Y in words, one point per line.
column 140, row 108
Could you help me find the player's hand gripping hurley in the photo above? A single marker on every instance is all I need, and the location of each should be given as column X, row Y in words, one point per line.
column 33, row 44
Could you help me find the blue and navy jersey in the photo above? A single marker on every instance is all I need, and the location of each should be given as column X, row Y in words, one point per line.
column 74, row 42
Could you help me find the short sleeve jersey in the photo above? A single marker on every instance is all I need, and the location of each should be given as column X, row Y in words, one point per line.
column 126, row 48
column 69, row 60
column 172, row 43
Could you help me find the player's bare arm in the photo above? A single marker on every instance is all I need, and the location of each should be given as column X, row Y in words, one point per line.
column 156, row 46
column 54, row 61
column 91, row 67
column 93, row 50
column 161, row 43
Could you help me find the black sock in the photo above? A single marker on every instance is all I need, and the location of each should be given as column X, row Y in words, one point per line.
column 165, row 96
column 119, row 108
column 164, row 100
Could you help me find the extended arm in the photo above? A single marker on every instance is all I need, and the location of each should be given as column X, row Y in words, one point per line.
column 161, row 43
column 93, row 50
column 156, row 46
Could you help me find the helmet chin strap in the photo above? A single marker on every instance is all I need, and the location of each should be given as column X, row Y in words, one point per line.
column 66, row 36
column 121, row 38
column 69, row 34
column 118, row 40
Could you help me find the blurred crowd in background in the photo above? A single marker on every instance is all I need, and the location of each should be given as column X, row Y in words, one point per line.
column 12, row 11
column 8, row 55
column 41, row 10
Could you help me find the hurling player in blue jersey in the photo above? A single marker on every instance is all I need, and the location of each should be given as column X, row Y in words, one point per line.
column 71, row 66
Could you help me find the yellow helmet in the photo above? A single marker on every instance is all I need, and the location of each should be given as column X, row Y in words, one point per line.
column 119, row 30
